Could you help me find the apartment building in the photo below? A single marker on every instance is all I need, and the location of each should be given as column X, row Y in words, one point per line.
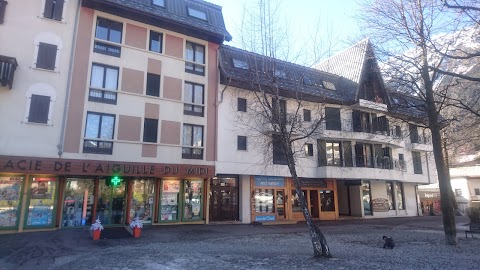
column 366, row 159
column 131, row 127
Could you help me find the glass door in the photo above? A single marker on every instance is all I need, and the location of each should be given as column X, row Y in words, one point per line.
column 280, row 204
column 78, row 202
column 142, row 202
column 111, row 203
column 314, row 204
column 169, row 200
column 41, row 202
column 224, row 199
column 367, row 205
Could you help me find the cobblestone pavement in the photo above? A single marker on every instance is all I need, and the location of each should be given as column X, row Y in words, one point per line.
column 355, row 244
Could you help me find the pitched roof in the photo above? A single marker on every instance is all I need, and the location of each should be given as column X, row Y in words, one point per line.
column 173, row 16
column 348, row 63
column 245, row 69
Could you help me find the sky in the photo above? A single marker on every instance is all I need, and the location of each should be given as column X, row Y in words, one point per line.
column 335, row 16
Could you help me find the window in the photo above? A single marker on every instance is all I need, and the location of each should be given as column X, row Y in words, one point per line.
column 381, row 124
column 160, row 3
column 240, row 64
column 391, row 203
column 458, row 192
column 195, row 56
column 364, row 155
column 53, row 9
column 362, row 121
column 197, row 14
column 153, row 85
column 414, row 138
column 401, row 162
column 103, row 84
column 307, row 115
column 192, row 142
column 417, row 162
column 264, row 201
column 3, row 5
column 193, row 98
column 46, row 56
column 367, row 204
column 156, row 41
column 109, row 31
column 332, row 119
column 39, row 109
column 399, row 198
column 309, row 150
column 241, row 105
column 99, row 133
column 280, row 73
column 398, row 132
column 327, row 200
column 334, row 157
column 150, row 130
column 477, row 191
column 307, row 81
column 279, row 156
column 279, row 114
column 241, row 143
column 329, row 85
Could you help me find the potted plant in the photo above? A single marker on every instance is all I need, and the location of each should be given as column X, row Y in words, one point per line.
column 96, row 228
column 136, row 226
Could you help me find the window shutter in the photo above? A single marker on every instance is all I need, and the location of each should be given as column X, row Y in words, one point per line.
column 58, row 11
column 48, row 11
column 150, row 130
column 322, row 153
column 347, row 154
column 47, row 54
column 39, row 108
column 357, row 123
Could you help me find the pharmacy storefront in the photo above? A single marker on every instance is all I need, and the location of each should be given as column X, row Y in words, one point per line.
column 42, row 193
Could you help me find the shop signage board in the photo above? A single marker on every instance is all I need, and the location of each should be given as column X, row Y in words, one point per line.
column 269, row 181
column 308, row 182
column 380, row 205
column 10, row 164
column 265, row 218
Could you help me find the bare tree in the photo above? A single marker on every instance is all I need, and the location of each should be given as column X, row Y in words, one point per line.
column 272, row 85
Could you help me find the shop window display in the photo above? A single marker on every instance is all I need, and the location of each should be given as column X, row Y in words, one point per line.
column 328, row 200
column 10, row 193
column 193, row 200
column 169, row 200
column 78, row 202
column 264, row 201
column 142, row 202
column 296, row 207
column 41, row 204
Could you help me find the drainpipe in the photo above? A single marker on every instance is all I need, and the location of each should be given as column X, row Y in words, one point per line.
column 69, row 82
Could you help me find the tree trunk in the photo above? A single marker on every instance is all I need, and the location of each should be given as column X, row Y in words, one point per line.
column 319, row 242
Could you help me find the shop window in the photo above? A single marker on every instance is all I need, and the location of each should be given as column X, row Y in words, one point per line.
column 332, row 119
column 309, row 150
column 41, row 202
column 169, row 199
column 78, row 202
column 327, row 200
column 193, row 200
column 296, row 205
column 109, row 31
column 46, row 56
column 142, row 202
column 417, row 162
column 195, row 58
column 53, row 9
column 241, row 142
column 103, row 84
column 155, row 42
column 241, row 105
column 193, row 99
column 150, row 130
column 391, row 203
column 39, row 109
column 99, row 133
column 192, row 142
column 400, row 197
column 279, row 156
column 264, row 201
column 10, row 203
column 153, row 85
column 307, row 115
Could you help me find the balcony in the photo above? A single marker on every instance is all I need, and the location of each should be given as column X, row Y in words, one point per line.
column 7, row 70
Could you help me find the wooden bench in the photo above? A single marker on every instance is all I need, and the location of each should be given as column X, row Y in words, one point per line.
column 474, row 228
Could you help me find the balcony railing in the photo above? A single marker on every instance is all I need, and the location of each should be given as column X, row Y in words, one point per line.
column 7, row 70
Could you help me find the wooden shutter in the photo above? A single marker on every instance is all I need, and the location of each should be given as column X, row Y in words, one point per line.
column 150, row 130
column 347, row 154
column 357, row 121
column 48, row 11
column 39, row 108
column 322, row 153
column 47, row 54
column 58, row 11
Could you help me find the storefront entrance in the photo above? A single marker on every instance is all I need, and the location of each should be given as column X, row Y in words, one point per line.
column 111, row 202
column 224, row 199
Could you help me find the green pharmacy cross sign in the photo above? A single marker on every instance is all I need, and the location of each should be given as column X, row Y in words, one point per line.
column 115, row 181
